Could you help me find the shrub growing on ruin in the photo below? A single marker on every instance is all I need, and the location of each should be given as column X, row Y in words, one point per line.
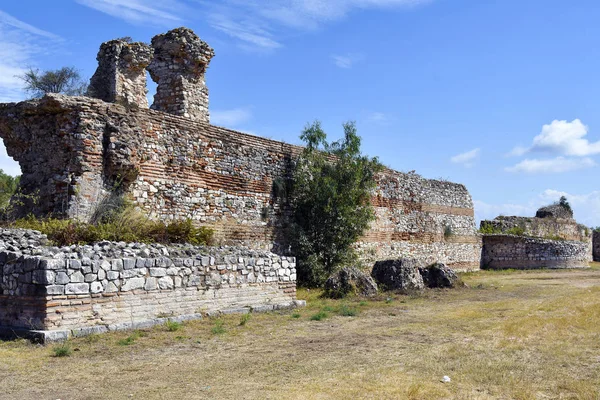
column 8, row 187
column 66, row 80
column 128, row 226
column 331, row 191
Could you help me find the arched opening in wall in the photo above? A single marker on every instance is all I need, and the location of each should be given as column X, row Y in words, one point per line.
column 7, row 164
column 151, row 89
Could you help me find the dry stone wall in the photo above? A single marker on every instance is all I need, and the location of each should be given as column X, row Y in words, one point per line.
column 78, row 152
column 518, row 252
column 111, row 286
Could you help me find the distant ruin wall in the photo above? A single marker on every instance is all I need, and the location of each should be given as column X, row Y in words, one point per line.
column 111, row 286
column 548, row 227
column 77, row 152
column 596, row 246
column 518, row 252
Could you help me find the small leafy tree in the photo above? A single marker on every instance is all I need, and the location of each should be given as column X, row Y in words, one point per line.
column 331, row 192
column 8, row 187
column 65, row 80
column 564, row 203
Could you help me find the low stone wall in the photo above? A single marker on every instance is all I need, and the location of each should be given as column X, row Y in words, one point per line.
column 109, row 286
column 596, row 246
column 506, row 251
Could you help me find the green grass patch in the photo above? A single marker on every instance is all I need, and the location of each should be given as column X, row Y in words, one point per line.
column 346, row 311
column 218, row 328
column 321, row 315
column 244, row 319
column 173, row 326
column 62, row 350
column 296, row 315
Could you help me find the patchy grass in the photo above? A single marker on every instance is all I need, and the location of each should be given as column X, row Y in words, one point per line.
column 62, row 350
column 508, row 335
column 173, row 326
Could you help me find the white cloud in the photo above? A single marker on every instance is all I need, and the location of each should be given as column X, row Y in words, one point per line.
column 9, row 20
column 20, row 45
column 139, row 12
column 485, row 211
column 554, row 165
column 562, row 138
column 261, row 24
column 347, row 61
column 586, row 207
column 249, row 32
column 466, row 158
column 229, row 118
column 7, row 164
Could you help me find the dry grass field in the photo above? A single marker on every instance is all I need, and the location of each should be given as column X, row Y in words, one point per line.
column 508, row 335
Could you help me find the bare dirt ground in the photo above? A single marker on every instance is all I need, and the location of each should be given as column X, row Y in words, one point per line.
column 508, row 335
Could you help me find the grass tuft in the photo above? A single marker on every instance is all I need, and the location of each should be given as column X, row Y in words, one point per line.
column 173, row 326
column 218, row 328
column 62, row 350
column 321, row 315
column 244, row 319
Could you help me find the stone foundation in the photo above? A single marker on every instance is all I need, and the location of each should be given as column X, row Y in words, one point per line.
column 110, row 286
column 518, row 252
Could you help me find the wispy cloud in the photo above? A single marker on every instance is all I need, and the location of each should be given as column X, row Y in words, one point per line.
column 230, row 118
column 467, row 159
column 20, row 45
column 552, row 166
column 585, row 206
column 347, row 61
column 139, row 12
column 264, row 24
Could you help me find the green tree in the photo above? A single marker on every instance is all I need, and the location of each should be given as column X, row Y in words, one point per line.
column 65, row 80
column 564, row 203
column 331, row 192
column 8, row 187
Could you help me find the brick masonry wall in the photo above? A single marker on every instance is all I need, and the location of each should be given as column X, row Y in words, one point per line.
column 75, row 152
column 504, row 251
column 79, row 288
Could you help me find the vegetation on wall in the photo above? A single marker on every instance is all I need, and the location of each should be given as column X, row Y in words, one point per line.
column 331, row 191
column 66, row 80
column 125, row 224
column 8, row 187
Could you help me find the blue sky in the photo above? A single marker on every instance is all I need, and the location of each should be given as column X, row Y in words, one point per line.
column 502, row 96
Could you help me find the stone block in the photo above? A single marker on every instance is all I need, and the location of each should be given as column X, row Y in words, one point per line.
column 77, row 288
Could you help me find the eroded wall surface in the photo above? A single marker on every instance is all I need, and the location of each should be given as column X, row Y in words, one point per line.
column 519, row 252
column 78, row 152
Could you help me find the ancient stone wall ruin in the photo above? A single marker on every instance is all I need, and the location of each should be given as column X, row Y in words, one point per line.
column 552, row 239
column 121, row 74
column 177, row 168
column 110, row 286
column 596, row 246
column 519, row 252
column 79, row 154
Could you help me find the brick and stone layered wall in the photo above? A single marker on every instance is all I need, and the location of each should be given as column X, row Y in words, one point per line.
column 548, row 227
column 519, row 252
column 111, row 286
column 596, row 246
column 77, row 152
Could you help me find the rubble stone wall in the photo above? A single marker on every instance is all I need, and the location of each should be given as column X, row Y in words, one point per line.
column 548, row 227
column 596, row 246
column 77, row 152
column 519, row 252
column 114, row 285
